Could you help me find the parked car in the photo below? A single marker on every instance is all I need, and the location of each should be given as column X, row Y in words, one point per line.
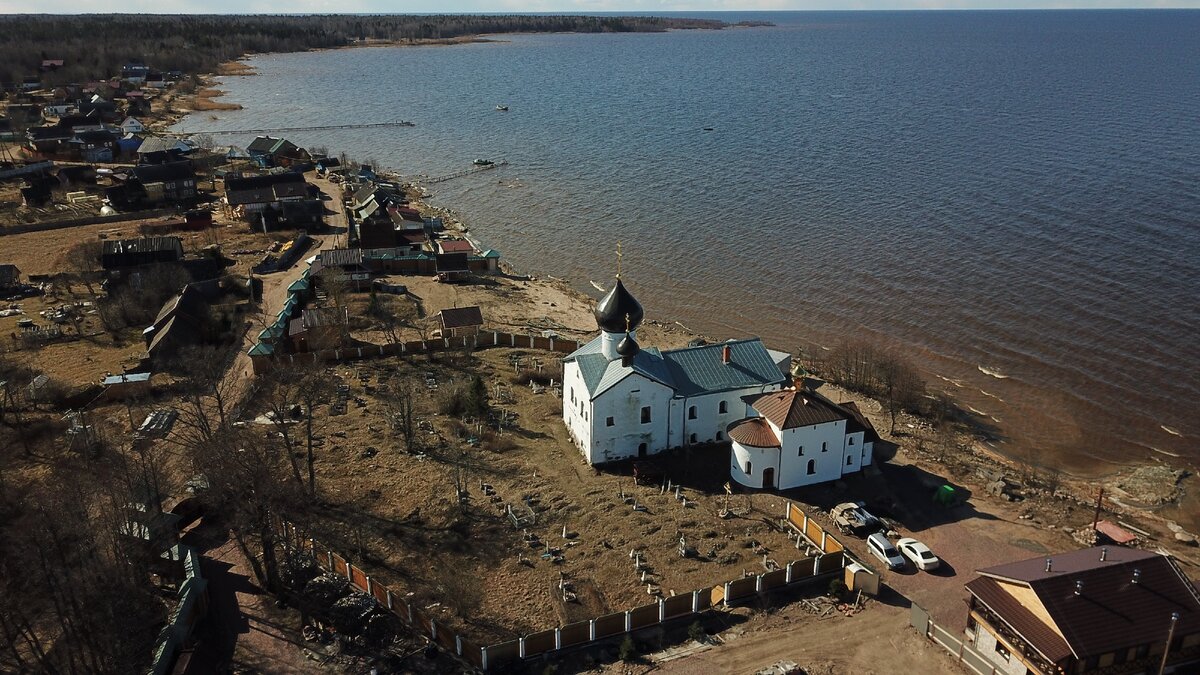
column 918, row 553
column 881, row 548
column 853, row 518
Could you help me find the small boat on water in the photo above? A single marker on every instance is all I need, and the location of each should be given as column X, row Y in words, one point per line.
column 501, row 107
column 484, row 162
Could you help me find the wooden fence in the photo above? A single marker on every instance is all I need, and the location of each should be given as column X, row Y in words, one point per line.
column 963, row 651
column 86, row 220
column 481, row 340
column 579, row 634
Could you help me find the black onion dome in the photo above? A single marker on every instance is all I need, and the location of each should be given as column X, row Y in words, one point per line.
column 612, row 310
column 627, row 347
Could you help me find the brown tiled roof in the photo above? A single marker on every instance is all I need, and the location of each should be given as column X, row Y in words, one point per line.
column 791, row 408
column 753, row 431
column 1111, row 612
column 858, row 421
column 455, row 246
column 461, row 316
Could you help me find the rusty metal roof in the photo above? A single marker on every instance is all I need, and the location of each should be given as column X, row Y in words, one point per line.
column 755, row 432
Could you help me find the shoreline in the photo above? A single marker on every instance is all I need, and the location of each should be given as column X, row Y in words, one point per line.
column 985, row 457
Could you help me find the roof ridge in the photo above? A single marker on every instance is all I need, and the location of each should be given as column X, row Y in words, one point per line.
column 712, row 344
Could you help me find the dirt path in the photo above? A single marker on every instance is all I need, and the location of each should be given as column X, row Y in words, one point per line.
column 244, row 630
column 877, row 640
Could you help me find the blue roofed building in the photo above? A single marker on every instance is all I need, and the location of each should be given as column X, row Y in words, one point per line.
column 623, row 401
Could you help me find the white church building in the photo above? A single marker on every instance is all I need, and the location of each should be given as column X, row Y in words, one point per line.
column 797, row 437
column 621, row 401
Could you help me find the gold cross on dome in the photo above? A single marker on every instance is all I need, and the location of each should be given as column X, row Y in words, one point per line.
column 627, row 323
column 618, row 259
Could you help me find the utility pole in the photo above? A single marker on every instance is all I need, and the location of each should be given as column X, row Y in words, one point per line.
column 1167, row 649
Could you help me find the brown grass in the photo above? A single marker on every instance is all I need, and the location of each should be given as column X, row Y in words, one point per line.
column 205, row 100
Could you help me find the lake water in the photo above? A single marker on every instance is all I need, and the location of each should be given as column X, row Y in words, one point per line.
column 1014, row 198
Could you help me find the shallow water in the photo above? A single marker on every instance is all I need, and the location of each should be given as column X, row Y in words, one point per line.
column 1011, row 197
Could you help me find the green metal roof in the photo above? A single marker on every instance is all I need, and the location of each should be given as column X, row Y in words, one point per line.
column 261, row 349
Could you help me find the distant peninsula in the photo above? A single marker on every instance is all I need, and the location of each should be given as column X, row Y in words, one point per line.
column 91, row 47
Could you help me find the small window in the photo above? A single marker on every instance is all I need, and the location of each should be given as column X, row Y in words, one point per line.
column 720, row 436
column 572, row 394
column 723, row 407
column 693, row 438
column 851, row 441
column 748, row 470
column 692, row 413
column 812, row 467
column 1002, row 651
column 800, row 452
column 609, row 422
column 824, row 446
column 645, row 414
column 849, row 460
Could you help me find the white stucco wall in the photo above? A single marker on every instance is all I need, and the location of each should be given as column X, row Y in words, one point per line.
column 759, row 459
column 710, row 424
column 623, row 402
column 575, row 393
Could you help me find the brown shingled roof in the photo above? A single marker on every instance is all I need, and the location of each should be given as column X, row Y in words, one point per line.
column 461, row 316
column 1111, row 612
column 753, row 431
column 792, row 408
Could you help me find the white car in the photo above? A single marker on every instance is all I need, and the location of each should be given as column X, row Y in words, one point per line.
column 918, row 553
column 881, row 548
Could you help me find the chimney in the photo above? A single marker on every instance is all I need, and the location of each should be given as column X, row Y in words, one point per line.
column 1078, row 588
column 725, row 354
column 1103, row 553
column 1137, row 576
column 1048, row 564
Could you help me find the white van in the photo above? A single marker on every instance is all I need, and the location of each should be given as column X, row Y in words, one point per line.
column 881, row 548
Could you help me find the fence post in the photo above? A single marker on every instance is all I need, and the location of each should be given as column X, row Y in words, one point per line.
column 433, row 629
column 458, row 644
column 411, row 622
column 329, row 554
column 628, row 621
column 726, row 598
column 788, row 578
column 483, row 657
column 591, row 630
column 350, row 572
column 312, row 546
column 695, row 601
column 370, row 587
column 521, row 648
column 662, row 610
column 389, row 599
column 558, row 637
column 824, row 535
column 758, row 584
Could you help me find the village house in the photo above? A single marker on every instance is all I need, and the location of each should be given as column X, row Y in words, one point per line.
column 126, row 253
column 181, row 322
column 132, row 125
column 274, row 199
column 455, row 246
column 452, row 266
column 621, row 401
column 98, row 145
column 316, row 329
column 158, row 183
column 134, row 72
column 460, row 321
column 268, row 152
column 1110, row 610
column 162, row 150
column 10, row 277
column 796, row 437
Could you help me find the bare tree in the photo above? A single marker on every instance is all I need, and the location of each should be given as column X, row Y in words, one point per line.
column 83, row 259
column 399, row 403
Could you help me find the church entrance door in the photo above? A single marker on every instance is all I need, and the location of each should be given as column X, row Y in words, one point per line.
column 769, row 478
column 642, row 449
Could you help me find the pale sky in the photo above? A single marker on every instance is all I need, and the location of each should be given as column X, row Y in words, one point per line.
column 468, row 6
